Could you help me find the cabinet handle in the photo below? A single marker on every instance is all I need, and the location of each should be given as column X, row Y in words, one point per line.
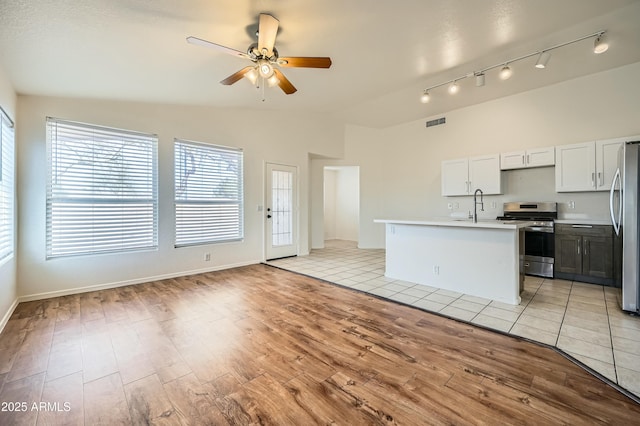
column 579, row 244
column 528, row 159
column 523, row 162
column 599, row 178
column 593, row 179
column 582, row 226
column 586, row 248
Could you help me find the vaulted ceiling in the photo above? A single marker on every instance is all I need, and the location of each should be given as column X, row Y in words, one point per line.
column 384, row 53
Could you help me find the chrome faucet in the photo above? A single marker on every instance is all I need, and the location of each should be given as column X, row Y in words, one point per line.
column 475, row 205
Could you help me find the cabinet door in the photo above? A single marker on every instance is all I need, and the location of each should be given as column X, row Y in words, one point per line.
column 597, row 258
column 539, row 157
column 455, row 177
column 576, row 167
column 512, row 160
column 484, row 173
column 607, row 153
column 568, row 254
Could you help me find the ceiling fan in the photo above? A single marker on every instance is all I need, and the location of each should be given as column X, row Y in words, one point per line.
column 265, row 58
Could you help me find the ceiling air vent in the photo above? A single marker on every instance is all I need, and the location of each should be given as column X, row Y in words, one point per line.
column 436, row 122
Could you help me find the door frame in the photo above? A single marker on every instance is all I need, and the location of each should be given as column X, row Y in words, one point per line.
column 296, row 207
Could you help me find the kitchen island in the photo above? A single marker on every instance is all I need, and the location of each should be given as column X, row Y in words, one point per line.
column 480, row 259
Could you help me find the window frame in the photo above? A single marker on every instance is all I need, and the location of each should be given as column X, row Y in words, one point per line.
column 7, row 187
column 113, row 195
column 185, row 240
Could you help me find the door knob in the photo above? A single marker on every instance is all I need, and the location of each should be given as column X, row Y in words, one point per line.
column 268, row 216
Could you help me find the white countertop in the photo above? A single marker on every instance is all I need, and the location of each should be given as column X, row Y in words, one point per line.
column 459, row 223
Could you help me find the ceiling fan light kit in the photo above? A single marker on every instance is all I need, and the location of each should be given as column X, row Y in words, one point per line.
column 600, row 46
column 265, row 57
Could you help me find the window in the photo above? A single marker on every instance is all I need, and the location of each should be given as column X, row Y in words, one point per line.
column 7, row 223
column 102, row 190
column 208, row 193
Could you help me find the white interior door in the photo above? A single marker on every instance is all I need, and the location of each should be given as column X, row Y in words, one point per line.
column 281, row 211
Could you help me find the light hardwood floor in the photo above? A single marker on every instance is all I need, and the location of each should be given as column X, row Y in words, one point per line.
column 259, row 345
column 583, row 320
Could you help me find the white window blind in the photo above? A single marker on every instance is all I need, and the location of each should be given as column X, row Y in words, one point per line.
column 208, row 193
column 102, row 191
column 7, row 223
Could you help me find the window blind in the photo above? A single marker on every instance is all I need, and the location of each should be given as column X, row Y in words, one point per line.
column 7, row 171
column 102, row 193
column 208, row 193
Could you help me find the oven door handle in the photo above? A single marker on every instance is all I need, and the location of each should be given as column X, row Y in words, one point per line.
column 539, row 229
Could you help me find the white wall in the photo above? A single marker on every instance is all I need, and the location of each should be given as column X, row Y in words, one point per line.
column 400, row 165
column 8, row 284
column 341, row 203
column 258, row 132
column 329, row 187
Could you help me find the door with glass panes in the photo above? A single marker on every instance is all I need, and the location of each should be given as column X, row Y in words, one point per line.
column 281, row 211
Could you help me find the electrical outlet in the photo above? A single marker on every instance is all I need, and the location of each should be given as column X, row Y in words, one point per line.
column 207, row 257
column 494, row 205
column 456, row 205
column 572, row 204
column 436, row 270
column 450, row 206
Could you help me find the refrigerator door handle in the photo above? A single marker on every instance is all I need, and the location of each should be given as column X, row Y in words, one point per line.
column 616, row 223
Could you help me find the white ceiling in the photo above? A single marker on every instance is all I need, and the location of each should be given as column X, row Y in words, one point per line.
column 384, row 53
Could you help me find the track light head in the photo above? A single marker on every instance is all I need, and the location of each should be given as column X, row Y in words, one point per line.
column 505, row 72
column 600, row 45
column 543, row 58
column 454, row 88
column 480, row 79
column 426, row 97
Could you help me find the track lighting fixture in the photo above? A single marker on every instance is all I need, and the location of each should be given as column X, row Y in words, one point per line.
column 600, row 45
column 506, row 72
column 543, row 59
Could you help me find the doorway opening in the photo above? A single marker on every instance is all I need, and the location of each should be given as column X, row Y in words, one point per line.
column 341, row 203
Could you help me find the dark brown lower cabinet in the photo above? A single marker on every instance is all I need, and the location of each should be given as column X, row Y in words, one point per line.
column 584, row 253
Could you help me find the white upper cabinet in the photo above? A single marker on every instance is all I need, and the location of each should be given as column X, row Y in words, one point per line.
column 535, row 157
column 455, row 177
column 463, row 176
column 575, row 167
column 587, row 166
column 607, row 154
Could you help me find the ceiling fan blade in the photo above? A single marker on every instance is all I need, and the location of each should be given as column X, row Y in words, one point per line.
column 200, row 42
column 236, row 76
column 267, row 31
column 305, row 62
column 284, row 84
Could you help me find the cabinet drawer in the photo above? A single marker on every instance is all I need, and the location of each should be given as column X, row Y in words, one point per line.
column 579, row 229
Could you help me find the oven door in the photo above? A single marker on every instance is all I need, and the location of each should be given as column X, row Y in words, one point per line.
column 539, row 247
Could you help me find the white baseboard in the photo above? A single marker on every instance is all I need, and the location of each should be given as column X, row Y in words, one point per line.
column 76, row 290
column 7, row 315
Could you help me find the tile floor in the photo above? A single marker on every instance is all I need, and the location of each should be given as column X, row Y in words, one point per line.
column 583, row 320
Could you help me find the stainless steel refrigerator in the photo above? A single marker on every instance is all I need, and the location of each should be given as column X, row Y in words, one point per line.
column 623, row 205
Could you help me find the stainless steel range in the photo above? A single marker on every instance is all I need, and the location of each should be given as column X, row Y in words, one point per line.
column 539, row 238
